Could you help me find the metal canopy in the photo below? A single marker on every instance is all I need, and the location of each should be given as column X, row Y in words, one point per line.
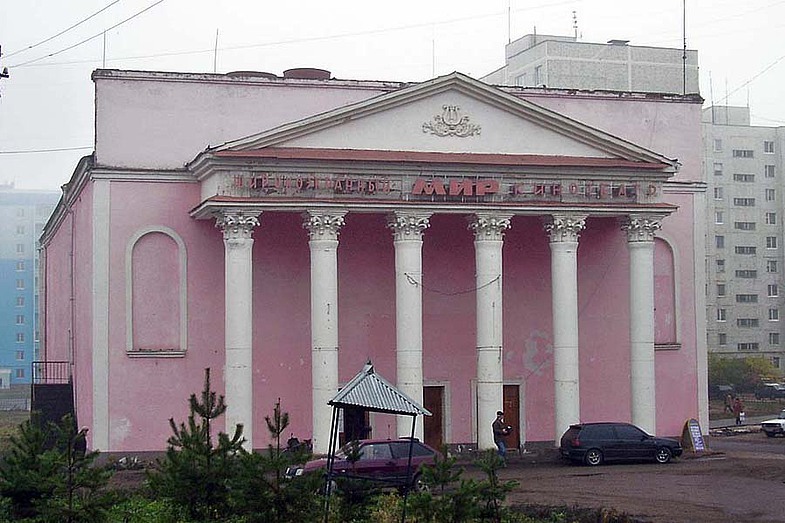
column 372, row 392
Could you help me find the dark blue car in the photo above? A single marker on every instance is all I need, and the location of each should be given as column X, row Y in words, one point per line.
column 595, row 443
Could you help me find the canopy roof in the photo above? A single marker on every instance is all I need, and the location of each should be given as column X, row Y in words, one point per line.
column 372, row 392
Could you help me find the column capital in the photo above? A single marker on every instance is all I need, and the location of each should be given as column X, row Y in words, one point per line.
column 565, row 227
column 237, row 223
column 488, row 227
column 641, row 228
column 407, row 225
column 323, row 225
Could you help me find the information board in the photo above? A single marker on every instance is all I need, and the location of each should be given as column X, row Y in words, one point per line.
column 692, row 436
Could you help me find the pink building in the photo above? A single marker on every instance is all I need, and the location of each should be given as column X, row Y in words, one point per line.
column 532, row 250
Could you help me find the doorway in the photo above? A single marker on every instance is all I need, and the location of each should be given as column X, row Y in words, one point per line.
column 433, row 397
column 512, row 414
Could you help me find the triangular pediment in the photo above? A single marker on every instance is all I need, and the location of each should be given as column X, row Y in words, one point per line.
column 453, row 114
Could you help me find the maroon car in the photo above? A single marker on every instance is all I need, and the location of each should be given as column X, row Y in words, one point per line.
column 382, row 461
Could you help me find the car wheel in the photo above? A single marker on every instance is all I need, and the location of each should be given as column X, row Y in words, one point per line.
column 770, row 434
column 593, row 457
column 663, row 455
column 418, row 485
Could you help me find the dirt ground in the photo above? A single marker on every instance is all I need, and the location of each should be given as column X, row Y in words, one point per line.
column 742, row 483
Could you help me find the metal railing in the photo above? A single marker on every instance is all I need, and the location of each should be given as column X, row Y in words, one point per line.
column 51, row 372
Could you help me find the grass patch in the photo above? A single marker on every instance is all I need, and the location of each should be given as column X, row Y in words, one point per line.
column 9, row 425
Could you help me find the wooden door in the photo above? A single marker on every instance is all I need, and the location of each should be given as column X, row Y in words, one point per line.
column 512, row 409
column 433, row 397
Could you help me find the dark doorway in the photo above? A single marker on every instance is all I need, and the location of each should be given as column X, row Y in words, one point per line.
column 433, row 397
column 356, row 424
column 512, row 409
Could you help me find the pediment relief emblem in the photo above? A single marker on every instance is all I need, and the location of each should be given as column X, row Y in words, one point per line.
column 451, row 123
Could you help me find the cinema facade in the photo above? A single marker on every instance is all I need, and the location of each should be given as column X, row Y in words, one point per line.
column 528, row 250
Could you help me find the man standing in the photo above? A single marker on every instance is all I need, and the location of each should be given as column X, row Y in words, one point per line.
column 500, row 430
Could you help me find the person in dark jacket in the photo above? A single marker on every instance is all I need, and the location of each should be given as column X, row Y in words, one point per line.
column 500, row 430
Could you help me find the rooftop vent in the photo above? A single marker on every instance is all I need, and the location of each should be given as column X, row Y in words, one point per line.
column 307, row 73
column 618, row 42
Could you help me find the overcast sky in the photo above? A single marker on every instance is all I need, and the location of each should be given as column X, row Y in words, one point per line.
column 47, row 103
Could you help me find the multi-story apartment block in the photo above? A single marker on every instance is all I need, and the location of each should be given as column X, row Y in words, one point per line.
column 562, row 62
column 22, row 217
column 745, row 263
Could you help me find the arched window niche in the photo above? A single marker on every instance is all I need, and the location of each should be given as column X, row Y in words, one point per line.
column 666, row 313
column 156, row 294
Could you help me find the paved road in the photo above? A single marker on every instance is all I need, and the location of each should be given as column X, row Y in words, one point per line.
column 731, row 422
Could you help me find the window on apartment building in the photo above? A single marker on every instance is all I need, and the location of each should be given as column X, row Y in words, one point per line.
column 744, row 226
column 773, row 290
column 746, row 298
column 774, row 338
column 717, row 145
column 20, row 248
column 720, row 265
column 775, row 360
column 768, row 147
column 743, row 153
column 771, row 242
column 769, row 171
column 746, row 178
column 747, row 346
column 744, row 202
column 520, row 79
column 20, row 285
column 774, row 315
column 20, row 374
column 718, row 193
column 771, row 218
column 20, row 355
column 770, row 195
column 20, row 265
column 719, row 242
column 538, row 78
column 746, row 273
column 721, row 290
column 20, row 229
column 722, row 338
column 745, row 249
column 20, row 301
column 747, row 323
column 717, row 168
column 719, row 217
column 20, row 337
column 722, row 315
column 771, row 266
column 20, row 319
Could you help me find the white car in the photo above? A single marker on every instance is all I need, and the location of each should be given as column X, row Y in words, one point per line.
column 774, row 426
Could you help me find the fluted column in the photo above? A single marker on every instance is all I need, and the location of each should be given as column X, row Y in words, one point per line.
column 488, row 240
column 564, row 231
column 408, row 230
column 640, row 241
column 323, row 228
column 237, row 226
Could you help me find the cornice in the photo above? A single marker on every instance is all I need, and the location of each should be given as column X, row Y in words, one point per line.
column 71, row 191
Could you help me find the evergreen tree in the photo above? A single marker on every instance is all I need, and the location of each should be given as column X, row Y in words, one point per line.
column 27, row 471
column 196, row 472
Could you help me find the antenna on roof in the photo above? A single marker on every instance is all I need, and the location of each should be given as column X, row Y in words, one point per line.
column 509, row 16
column 575, row 24
column 684, row 55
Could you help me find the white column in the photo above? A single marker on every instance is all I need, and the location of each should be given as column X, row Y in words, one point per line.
column 640, row 240
column 407, row 230
column 237, row 226
column 488, row 240
column 564, row 231
column 323, row 228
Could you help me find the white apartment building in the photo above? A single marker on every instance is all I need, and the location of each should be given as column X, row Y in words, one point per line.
column 745, row 263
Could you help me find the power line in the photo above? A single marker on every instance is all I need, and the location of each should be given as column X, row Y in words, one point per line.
column 80, row 22
column 368, row 32
column 54, row 150
column 748, row 82
column 90, row 38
